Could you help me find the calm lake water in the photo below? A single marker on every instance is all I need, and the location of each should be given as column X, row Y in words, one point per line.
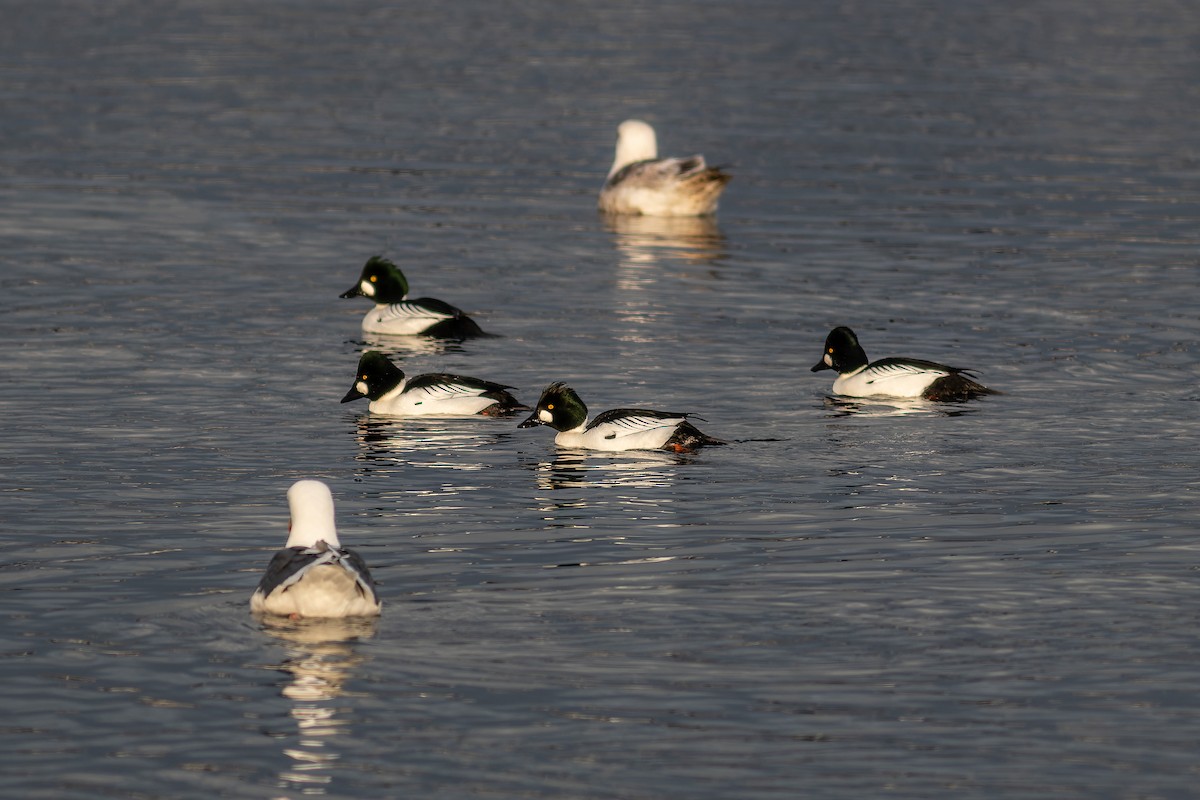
column 853, row 600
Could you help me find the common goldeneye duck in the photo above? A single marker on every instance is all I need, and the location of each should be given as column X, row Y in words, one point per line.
column 432, row 395
column 893, row 377
column 642, row 183
column 619, row 429
column 313, row 575
column 383, row 282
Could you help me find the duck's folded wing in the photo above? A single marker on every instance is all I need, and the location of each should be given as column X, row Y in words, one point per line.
column 629, row 421
column 912, row 366
column 656, row 173
column 905, row 375
column 352, row 562
column 441, row 384
column 289, row 565
column 424, row 308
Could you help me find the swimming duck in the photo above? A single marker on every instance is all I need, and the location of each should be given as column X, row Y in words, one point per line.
column 383, row 282
column 642, row 183
column 313, row 575
column 432, row 395
column 893, row 377
column 619, row 429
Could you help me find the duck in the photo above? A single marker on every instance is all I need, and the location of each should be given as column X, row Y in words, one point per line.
column 642, row 183
column 436, row 394
column 382, row 281
column 620, row 429
column 313, row 575
column 893, row 377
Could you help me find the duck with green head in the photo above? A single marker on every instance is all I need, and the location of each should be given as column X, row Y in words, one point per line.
column 436, row 394
column 619, row 429
column 382, row 282
column 893, row 377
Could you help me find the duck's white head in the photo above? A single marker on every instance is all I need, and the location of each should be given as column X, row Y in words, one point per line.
column 311, row 505
column 635, row 142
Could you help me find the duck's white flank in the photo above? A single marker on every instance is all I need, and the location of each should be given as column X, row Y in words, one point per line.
column 401, row 319
column 625, row 433
column 440, row 400
column 892, row 380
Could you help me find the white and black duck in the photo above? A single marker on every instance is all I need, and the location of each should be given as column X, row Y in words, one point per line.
column 313, row 575
column 382, row 282
column 430, row 395
column 893, row 377
column 620, row 429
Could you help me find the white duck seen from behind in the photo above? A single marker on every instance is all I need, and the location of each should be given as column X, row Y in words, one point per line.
column 642, row 183
column 313, row 575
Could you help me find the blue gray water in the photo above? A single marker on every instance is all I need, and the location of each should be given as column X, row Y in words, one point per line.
column 991, row 600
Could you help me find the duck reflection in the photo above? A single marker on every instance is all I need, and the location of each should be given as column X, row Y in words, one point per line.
column 644, row 241
column 565, row 498
column 892, row 407
column 401, row 347
column 647, row 246
column 645, row 469
column 320, row 657
column 435, row 443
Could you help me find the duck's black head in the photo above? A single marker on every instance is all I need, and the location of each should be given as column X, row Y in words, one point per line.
column 842, row 352
column 381, row 280
column 559, row 407
column 376, row 377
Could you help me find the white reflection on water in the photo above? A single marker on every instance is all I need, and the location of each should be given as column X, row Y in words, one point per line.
column 320, row 656
column 644, row 241
column 564, row 496
column 893, row 407
column 643, row 469
column 400, row 347
column 647, row 245
column 455, row 444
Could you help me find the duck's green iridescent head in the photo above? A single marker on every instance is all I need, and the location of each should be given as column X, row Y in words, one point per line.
column 377, row 376
column 559, row 407
column 381, row 281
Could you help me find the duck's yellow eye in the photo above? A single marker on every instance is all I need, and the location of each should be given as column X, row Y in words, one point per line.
column 549, row 406
column 831, row 351
column 364, row 377
column 373, row 278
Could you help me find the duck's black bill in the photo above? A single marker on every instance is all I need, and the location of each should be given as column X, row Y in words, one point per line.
column 353, row 394
column 817, row 367
column 353, row 291
column 531, row 421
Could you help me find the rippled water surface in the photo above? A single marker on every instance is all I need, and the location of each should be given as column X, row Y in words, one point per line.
column 852, row 600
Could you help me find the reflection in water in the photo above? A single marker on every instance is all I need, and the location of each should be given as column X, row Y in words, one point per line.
column 320, row 656
column 646, row 246
column 893, row 407
column 400, row 347
column 563, row 499
column 644, row 469
column 441, row 443
column 645, row 240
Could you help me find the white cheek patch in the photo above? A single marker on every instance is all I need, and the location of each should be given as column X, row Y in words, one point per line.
column 545, row 416
column 361, row 387
column 367, row 288
column 828, row 360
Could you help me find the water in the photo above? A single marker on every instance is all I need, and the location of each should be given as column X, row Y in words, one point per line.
column 853, row 600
